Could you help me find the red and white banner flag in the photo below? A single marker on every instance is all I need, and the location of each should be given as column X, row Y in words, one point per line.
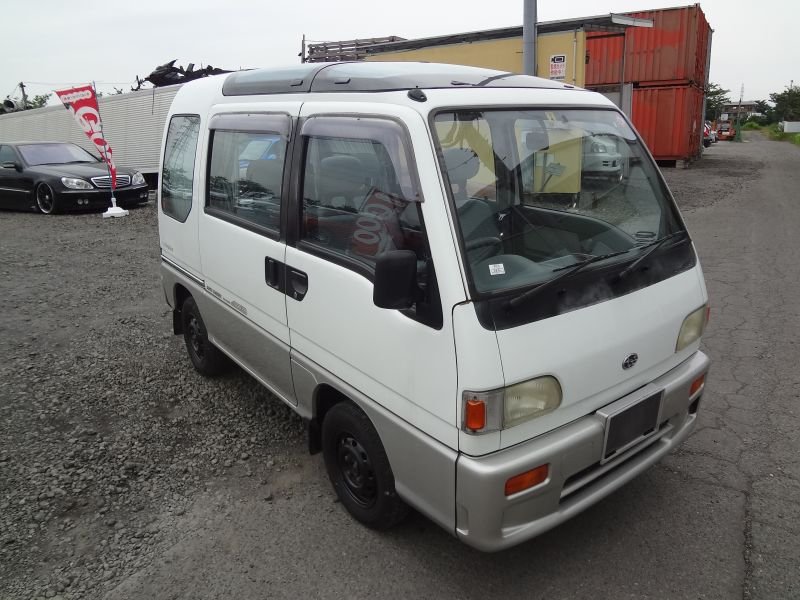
column 82, row 103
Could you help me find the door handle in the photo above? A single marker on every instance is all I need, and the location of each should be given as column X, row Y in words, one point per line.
column 274, row 273
column 297, row 285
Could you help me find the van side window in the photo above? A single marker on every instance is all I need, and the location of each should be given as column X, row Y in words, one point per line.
column 245, row 176
column 177, row 178
column 360, row 195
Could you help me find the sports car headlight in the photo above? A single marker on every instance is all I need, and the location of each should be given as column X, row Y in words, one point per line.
column 74, row 183
column 692, row 328
column 137, row 179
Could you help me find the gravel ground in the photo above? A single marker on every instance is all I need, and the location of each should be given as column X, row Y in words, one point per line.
column 109, row 440
column 106, row 432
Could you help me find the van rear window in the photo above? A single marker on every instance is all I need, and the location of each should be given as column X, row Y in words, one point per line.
column 177, row 177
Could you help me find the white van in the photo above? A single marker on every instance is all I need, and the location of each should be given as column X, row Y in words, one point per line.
column 413, row 257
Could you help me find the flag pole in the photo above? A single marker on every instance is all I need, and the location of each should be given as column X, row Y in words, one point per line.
column 114, row 211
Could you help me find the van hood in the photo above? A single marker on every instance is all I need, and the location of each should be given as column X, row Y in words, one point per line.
column 585, row 349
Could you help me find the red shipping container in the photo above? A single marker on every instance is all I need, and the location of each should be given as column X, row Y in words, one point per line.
column 673, row 51
column 670, row 119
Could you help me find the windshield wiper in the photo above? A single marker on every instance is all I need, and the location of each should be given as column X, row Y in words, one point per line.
column 650, row 249
column 566, row 272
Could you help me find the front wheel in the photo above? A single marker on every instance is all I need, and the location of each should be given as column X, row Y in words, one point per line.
column 206, row 358
column 359, row 468
column 45, row 199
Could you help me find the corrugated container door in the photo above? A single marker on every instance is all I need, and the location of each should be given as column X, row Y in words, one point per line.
column 670, row 120
column 673, row 51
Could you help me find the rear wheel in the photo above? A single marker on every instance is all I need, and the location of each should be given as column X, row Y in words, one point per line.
column 45, row 199
column 206, row 358
column 359, row 468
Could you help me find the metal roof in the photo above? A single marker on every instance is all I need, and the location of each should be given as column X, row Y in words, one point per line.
column 374, row 77
column 356, row 49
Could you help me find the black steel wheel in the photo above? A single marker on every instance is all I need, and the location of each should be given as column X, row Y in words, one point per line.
column 206, row 358
column 359, row 468
column 45, row 199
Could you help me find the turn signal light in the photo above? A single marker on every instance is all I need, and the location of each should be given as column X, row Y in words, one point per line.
column 697, row 384
column 475, row 415
column 527, row 480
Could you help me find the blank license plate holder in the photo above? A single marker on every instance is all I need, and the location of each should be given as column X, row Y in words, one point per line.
column 629, row 424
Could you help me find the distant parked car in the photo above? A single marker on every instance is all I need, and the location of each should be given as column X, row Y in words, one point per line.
column 726, row 130
column 52, row 177
column 601, row 158
column 707, row 135
column 712, row 132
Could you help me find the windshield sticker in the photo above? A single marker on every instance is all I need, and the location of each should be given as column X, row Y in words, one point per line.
column 497, row 269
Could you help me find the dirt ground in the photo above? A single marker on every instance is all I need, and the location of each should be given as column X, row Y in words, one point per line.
column 124, row 474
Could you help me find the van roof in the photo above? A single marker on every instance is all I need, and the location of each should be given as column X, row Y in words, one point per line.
column 374, row 77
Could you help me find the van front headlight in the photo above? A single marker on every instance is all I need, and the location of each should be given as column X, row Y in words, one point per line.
column 530, row 399
column 483, row 412
column 137, row 179
column 692, row 328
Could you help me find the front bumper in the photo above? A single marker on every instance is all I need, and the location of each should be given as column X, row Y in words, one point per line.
column 100, row 198
column 490, row 521
column 602, row 164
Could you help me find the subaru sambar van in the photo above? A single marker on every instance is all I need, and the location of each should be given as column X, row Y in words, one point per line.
column 476, row 316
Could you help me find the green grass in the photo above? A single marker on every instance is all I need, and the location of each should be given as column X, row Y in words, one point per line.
column 776, row 134
column 773, row 132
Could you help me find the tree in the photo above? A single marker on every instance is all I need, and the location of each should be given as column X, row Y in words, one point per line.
column 39, row 101
column 787, row 104
column 716, row 97
column 766, row 111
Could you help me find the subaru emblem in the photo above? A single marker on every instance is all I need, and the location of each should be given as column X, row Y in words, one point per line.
column 630, row 361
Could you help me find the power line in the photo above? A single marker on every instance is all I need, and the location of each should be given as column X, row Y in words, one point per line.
column 75, row 82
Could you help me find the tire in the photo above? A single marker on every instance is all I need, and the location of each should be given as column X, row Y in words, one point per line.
column 359, row 469
column 45, row 199
column 206, row 358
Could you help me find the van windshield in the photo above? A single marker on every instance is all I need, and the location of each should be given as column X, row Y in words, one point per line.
column 539, row 192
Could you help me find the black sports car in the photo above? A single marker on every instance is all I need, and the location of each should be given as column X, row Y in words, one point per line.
column 52, row 177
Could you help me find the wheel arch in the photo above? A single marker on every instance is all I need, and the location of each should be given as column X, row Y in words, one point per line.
column 325, row 397
column 179, row 295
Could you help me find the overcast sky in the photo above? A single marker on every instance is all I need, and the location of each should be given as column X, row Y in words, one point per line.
column 51, row 43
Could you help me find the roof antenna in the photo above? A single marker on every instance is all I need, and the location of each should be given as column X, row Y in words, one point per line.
column 417, row 95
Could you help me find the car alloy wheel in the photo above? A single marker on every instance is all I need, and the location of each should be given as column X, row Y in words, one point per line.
column 45, row 199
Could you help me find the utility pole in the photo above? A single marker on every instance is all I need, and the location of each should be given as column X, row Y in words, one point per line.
column 529, row 38
column 24, row 96
column 738, row 135
column 303, row 49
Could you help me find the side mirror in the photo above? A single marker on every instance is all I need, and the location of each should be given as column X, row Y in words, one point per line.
column 10, row 164
column 395, row 280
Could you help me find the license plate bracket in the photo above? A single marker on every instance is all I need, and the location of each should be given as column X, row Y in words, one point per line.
column 629, row 423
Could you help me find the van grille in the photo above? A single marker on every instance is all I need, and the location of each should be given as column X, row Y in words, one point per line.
column 105, row 181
